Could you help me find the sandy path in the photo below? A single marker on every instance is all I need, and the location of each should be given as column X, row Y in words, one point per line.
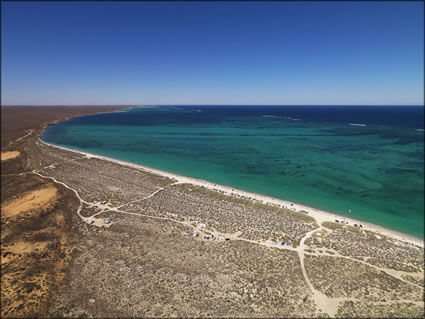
column 139, row 200
column 22, row 137
column 70, row 188
column 323, row 302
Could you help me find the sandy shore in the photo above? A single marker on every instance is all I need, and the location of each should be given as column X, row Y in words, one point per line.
column 319, row 215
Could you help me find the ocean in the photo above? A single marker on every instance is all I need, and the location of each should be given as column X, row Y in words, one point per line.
column 367, row 159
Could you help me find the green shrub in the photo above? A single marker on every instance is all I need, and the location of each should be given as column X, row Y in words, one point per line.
column 332, row 225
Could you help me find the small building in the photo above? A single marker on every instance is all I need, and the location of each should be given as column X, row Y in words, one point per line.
column 269, row 242
column 202, row 225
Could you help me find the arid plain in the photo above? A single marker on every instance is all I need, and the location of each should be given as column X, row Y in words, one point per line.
column 176, row 249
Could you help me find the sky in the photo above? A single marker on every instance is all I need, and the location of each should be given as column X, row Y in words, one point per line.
column 67, row 53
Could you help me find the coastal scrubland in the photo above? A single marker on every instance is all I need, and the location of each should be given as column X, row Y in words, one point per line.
column 156, row 258
column 37, row 216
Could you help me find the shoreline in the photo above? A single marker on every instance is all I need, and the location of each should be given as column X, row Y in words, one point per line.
column 319, row 215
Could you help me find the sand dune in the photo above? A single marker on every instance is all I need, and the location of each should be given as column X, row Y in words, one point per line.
column 32, row 200
column 9, row 155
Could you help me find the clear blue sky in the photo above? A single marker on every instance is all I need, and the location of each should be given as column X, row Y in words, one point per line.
column 212, row 53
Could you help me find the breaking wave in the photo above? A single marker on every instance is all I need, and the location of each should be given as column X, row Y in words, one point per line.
column 280, row 117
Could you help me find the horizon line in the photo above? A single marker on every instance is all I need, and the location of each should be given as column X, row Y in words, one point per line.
column 196, row 104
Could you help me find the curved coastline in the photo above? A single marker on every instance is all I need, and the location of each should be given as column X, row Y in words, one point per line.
column 319, row 215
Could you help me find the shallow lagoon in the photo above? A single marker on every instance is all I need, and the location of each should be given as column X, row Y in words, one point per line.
column 316, row 156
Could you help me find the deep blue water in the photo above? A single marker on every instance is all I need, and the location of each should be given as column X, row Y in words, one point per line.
column 394, row 116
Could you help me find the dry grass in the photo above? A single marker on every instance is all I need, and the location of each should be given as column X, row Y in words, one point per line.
column 332, row 225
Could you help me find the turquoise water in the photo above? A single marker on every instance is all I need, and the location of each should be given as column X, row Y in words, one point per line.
column 376, row 171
